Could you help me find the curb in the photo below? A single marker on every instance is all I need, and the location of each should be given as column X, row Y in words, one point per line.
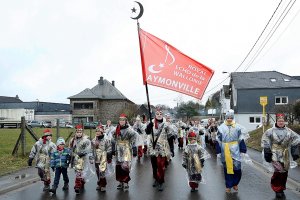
column 18, row 185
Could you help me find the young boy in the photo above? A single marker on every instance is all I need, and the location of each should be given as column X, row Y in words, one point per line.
column 60, row 160
column 102, row 155
column 193, row 161
column 41, row 151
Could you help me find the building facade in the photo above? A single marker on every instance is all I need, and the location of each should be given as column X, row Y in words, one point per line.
column 101, row 103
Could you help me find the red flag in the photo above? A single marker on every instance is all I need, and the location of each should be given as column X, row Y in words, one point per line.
column 165, row 66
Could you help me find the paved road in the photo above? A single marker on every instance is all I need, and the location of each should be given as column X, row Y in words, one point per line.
column 254, row 185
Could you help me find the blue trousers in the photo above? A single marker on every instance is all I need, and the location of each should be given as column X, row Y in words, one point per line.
column 58, row 172
column 232, row 179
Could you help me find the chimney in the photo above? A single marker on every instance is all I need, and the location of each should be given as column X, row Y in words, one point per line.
column 113, row 83
column 17, row 97
column 100, row 81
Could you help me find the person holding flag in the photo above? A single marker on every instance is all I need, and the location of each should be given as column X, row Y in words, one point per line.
column 159, row 147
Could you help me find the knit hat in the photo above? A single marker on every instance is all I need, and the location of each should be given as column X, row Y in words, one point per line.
column 229, row 114
column 280, row 116
column 60, row 141
column 123, row 116
column 99, row 128
column 192, row 134
column 78, row 126
column 47, row 132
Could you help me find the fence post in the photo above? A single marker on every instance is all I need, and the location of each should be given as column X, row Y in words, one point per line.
column 23, row 136
column 57, row 129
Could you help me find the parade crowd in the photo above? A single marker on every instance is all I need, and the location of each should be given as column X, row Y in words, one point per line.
column 114, row 147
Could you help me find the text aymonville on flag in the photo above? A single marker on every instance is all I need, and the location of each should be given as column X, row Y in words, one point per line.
column 165, row 66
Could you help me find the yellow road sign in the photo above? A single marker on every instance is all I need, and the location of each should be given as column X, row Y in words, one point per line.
column 263, row 100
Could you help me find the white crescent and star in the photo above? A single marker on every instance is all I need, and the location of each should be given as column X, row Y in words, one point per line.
column 134, row 10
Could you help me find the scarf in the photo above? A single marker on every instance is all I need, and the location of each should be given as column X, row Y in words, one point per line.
column 44, row 139
column 230, row 124
column 156, row 121
column 59, row 148
column 119, row 128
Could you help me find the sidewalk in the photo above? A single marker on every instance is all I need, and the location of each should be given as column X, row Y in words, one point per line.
column 18, row 179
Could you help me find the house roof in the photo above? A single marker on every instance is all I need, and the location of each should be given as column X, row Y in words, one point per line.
column 4, row 99
column 38, row 106
column 263, row 79
column 103, row 90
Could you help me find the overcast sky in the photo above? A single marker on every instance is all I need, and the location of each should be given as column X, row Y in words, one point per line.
column 51, row 50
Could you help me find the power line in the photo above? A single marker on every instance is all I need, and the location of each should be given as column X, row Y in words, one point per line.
column 258, row 37
column 249, row 51
column 282, row 33
column 271, row 33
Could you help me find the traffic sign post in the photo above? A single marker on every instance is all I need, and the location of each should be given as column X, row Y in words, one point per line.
column 263, row 101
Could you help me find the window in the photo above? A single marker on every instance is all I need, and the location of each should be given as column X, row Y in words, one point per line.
column 273, row 79
column 83, row 106
column 254, row 120
column 281, row 100
column 286, row 80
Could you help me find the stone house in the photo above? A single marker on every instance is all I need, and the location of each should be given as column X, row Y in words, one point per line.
column 101, row 103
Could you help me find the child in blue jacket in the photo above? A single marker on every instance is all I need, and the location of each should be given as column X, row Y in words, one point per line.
column 59, row 163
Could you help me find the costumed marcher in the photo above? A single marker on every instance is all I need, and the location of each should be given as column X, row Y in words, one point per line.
column 139, row 127
column 173, row 137
column 159, row 147
column 180, row 133
column 108, row 132
column 280, row 146
column 80, row 146
column 60, row 160
column 144, row 122
column 102, row 156
column 125, row 138
column 41, row 151
column 213, row 131
column 199, row 130
column 193, row 161
column 231, row 144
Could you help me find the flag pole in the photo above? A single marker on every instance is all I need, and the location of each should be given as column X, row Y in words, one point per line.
column 143, row 70
column 145, row 83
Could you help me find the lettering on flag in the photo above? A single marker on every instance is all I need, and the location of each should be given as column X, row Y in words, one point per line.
column 165, row 66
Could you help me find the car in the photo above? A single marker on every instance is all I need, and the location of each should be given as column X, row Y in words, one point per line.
column 204, row 122
column 65, row 125
column 69, row 125
column 88, row 125
column 34, row 123
column 46, row 124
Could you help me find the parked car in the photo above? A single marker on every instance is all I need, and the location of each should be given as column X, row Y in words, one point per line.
column 204, row 122
column 46, row 124
column 34, row 123
column 69, row 125
column 88, row 125
column 65, row 125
